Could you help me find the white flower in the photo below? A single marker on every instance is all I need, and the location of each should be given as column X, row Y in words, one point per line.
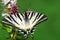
column 7, row 1
column 25, row 22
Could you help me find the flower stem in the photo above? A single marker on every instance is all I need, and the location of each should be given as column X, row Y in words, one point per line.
column 13, row 33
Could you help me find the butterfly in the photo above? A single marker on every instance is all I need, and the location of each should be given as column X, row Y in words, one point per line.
column 26, row 22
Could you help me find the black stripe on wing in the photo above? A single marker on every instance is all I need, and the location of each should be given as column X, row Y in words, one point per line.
column 19, row 16
column 4, row 21
column 27, row 12
column 44, row 18
column 26, row 17
column 13, row 19
column 31, row 15
column 37, row 16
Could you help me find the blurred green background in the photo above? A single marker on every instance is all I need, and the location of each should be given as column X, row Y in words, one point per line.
column 48, row 30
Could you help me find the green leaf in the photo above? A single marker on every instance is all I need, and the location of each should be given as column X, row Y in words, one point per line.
column 0, row 25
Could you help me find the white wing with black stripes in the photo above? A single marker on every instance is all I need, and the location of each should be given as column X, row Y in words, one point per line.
column 25, row 22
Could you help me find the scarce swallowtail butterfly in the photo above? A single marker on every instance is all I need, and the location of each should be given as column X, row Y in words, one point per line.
column 26, row 22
